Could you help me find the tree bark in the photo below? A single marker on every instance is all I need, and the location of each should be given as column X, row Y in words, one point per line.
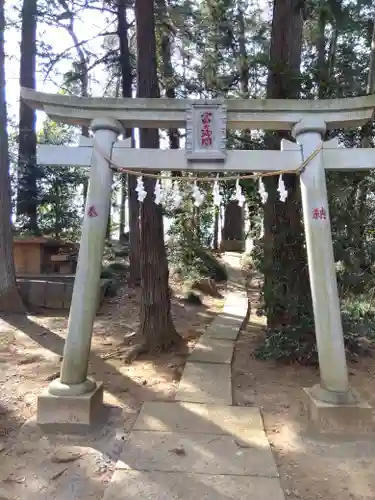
column 126, row 87
column 122, row 206
column 168, row 74
column 287, row 299
column 10, row 300
column 156, row 325
column 27, row 169
column 215, row 242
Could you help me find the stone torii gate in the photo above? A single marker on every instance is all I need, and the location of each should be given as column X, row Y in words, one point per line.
column 73, row 398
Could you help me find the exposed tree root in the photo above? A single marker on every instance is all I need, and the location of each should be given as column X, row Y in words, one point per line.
column 133, row 352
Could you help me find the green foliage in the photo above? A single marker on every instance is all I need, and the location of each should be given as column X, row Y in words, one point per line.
column 257, row 256
column 193, row 298
column 117, row 267
column 107, row 273
column 58, row 213
column 290, row 344
column 208, row 264
column 299, row 344
column 122, row 253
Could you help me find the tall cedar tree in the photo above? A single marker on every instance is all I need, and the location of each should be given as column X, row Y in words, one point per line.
column 27, row 171
column 287, row 289
column 126, row 87
column 10, row 300
column 156, row 325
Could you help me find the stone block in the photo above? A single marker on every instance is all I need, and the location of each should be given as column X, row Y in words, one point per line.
column 150, row 485
column 198, row 453
column 70, row 414
column 206, row 383
column 23, row 287
column 54, row 293
column 194, row 418
column 211, row 350
column 224, row 327
column 67, row 295
column 37, row 293
column 338, row 418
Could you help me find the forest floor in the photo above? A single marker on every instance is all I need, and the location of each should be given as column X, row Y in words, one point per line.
column 311, row 467
column 34, row 466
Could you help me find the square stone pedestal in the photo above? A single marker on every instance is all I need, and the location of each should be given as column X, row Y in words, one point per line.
column 336, row 418
column 71, row 414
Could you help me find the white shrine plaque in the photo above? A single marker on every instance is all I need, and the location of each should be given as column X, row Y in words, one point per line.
column 206, row 131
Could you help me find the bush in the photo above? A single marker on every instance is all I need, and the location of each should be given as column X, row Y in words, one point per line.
column 299, row 344
column 106, row 273
column 112, row 288
column 117, row 267
column 358, row 318
column 122, row 253
column 192, row 298
column 257, row 256
column 291, row 345
column 194, row 262
column 209, row 266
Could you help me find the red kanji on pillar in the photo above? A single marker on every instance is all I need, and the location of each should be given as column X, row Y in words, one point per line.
column 92, row 211
column 322, row 213
column 319, row 213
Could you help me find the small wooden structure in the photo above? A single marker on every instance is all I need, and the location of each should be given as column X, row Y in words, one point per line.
column 37, row 255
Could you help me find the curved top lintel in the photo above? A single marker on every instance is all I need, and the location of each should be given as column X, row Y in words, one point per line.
column 271, row 114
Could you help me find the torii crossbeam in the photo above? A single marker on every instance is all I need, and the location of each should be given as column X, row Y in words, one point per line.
column 308, row 121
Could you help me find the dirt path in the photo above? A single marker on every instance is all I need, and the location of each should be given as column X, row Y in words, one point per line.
column 311, row 468
column 34, row 466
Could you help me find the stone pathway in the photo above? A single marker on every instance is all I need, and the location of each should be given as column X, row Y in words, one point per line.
column 201, row 447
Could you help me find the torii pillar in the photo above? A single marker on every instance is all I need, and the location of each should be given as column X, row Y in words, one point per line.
column 331, row 403
column 73, row 399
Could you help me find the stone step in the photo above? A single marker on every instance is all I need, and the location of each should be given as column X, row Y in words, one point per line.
column 224, row 327
column 197, row 418
column 198, row 453
column 206, row 383
column 212, row 350
column 150, row 485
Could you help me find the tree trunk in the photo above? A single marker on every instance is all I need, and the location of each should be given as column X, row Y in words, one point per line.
column 168, row 74
column 27, row 169
column 10, row 300
column 287, row 299
column 156, row 325
column 126, row 87
column 322, row 66
column 215, row 242
column 122, row 206
column 243, row 67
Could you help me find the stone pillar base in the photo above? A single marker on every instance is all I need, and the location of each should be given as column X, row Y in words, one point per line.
column 328, row 417
column 70, row 414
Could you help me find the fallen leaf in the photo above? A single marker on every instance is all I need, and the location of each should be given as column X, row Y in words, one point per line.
column 15, row 479
column 63, row 456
